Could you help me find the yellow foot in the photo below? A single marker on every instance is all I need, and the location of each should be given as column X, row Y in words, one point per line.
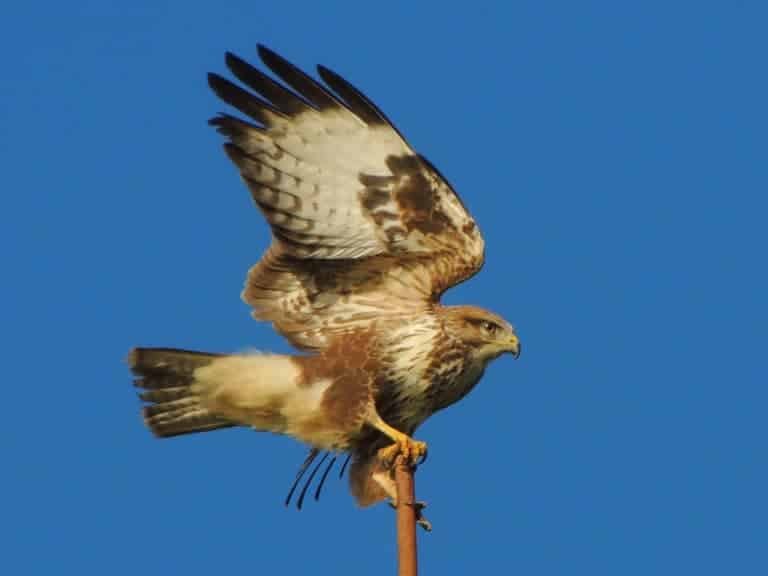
column 413, row 451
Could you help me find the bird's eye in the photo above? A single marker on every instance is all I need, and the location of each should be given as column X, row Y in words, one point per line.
column 489, row 327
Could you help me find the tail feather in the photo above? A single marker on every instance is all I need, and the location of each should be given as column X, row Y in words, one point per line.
column 166, row 376
column 164, row 394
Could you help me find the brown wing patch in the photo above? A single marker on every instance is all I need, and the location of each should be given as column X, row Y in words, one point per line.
column 416, row 197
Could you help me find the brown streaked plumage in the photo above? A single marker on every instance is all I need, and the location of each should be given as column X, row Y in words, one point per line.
column 367, row 235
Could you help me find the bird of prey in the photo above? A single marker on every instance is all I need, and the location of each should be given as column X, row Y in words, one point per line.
column 367, row 235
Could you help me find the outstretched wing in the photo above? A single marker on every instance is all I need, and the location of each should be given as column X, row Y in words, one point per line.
column 363, row 226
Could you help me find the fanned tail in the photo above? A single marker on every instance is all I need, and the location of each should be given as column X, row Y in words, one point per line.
column 166, row 376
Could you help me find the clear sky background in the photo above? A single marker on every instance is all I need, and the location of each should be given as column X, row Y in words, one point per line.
column 614, row 155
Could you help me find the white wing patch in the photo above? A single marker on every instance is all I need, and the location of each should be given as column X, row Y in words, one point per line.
column 302, row 178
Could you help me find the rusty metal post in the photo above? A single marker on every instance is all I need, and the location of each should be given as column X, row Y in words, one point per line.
column 406, row 519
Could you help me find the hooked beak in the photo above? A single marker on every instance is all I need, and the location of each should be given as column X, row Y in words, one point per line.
column 513, row 347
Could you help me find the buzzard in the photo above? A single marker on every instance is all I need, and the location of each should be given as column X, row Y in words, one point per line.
column 367, row 235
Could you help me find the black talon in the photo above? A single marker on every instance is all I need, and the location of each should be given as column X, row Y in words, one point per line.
column 420, row 520
column 418, row 506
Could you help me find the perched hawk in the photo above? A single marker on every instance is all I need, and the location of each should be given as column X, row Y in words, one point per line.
column 367, row 235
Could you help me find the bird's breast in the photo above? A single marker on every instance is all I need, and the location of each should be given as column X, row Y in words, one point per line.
column 426, row 373
column 454, row 385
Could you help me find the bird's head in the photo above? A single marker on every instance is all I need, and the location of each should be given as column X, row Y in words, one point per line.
column 488, row 334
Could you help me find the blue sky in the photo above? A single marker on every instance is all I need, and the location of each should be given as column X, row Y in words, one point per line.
column 614, row 155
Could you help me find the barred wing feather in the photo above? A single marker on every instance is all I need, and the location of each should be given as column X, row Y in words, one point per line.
column 363, row 226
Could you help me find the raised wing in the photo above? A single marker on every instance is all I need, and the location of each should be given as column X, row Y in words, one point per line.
column 363, row 226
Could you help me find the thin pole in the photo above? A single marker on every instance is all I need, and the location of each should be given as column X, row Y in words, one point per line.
column 406, row 519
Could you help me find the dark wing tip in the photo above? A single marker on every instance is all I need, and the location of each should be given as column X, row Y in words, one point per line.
column 297, row 94
column 266, row 53
column 280, row 96
column 306, row 86
column 247, row 103
column 216, row 82
column 239, row 66
column 261, row 48
column 355, row 100
column 232, row 127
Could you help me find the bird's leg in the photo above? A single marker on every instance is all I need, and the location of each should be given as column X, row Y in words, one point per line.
column 413, row 451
